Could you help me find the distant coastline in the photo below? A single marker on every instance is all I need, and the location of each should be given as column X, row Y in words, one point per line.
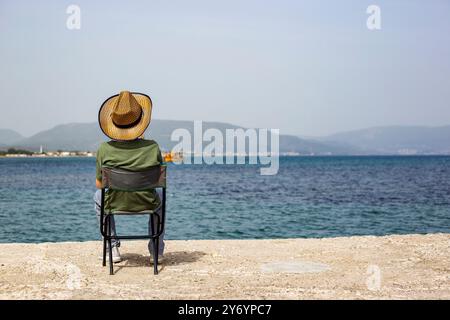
column 12, row 156
column 13, row 153
column 388, row 140
column 168, row 156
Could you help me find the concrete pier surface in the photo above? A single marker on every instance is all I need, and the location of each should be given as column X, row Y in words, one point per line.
column 368, row 267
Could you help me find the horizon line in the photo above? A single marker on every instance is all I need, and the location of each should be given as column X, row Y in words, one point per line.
column 244, row 127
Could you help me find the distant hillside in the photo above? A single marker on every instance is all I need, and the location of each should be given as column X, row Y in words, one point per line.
column 88, row 136
column 397, row 139
column 380, row 140
column 73, row 136
column 8, row 137
column 290, row 143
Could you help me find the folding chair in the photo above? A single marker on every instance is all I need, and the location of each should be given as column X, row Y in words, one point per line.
column 131, row 181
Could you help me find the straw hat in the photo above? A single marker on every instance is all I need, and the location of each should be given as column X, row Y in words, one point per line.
column 125, row 116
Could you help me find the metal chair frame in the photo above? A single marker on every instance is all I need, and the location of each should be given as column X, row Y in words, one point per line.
column 122, row 180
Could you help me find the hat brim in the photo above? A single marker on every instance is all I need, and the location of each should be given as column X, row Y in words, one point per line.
column 125, row 134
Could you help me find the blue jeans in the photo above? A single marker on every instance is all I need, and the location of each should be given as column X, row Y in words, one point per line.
column 116, row 243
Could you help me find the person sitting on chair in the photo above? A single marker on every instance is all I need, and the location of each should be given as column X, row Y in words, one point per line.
column 124, row 118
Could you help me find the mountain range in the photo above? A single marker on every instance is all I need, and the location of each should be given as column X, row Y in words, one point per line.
column 377, row 140
column 8, row 137
column 397, row 139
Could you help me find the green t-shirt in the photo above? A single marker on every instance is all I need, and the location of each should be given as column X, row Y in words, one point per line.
column 133, row 155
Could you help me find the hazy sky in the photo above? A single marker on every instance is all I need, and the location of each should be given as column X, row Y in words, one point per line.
column 305, row 67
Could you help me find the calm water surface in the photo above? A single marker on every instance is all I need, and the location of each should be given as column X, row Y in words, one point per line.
column 51, row 199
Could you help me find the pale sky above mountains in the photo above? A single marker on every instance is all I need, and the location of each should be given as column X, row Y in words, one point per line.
column 305, row 67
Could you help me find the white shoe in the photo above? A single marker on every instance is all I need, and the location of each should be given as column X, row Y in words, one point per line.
column 115, row 255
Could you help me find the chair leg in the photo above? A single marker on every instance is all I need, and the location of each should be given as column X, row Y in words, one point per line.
column 154, row 246
column 104, row 251
column 157, row 246
column 155, row 257
column 111, row 270
column 157, row 252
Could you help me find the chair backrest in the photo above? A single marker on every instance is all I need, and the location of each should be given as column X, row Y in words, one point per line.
column 125, row 180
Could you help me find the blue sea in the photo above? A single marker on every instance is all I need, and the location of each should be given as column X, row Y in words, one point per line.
column 50, row 199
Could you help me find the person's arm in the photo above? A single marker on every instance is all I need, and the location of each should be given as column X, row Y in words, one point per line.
column 160, row 158
column 98, row 169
